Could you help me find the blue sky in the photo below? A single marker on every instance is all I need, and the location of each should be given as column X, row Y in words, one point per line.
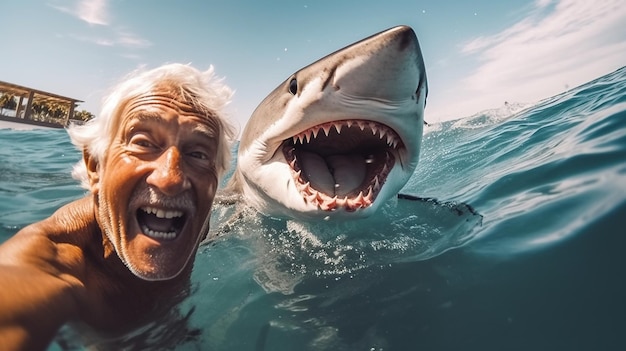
column 478, row 54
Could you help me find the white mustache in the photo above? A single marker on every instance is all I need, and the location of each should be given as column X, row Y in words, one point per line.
column 146, row 195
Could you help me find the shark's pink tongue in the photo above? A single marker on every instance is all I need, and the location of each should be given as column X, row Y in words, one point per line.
column 349, row 172
column 314, row 168
column 337, row 174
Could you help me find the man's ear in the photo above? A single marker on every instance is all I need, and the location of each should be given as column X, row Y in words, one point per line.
column 91, row 164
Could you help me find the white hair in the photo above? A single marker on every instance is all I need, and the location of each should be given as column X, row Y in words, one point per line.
column 202, row 90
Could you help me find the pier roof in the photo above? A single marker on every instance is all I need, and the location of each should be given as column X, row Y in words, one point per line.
column 39, row 95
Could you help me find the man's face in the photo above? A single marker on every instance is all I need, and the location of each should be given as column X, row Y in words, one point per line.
column 157, row 183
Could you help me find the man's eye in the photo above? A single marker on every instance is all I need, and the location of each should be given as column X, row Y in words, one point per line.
column 201, row 158
column 144, row 143
column 141, row 141
column 199, row 155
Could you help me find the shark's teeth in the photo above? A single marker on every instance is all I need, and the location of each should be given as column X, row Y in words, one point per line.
column 373, row 128
column 326, row 127
column 329, row 204
column 338, row 127
column 370, row 195
column 364, row 199
column 383, row 132
column 315, row 131
column 367, row 192
column 389, row 139
column 359, row 199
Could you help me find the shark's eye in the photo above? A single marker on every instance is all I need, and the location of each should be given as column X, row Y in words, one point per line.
column 293, row 86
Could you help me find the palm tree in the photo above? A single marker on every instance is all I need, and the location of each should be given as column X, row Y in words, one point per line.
column 7, row 101
column 83, row 115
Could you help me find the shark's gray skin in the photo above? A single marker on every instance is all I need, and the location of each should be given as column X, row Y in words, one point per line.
column 339, row 137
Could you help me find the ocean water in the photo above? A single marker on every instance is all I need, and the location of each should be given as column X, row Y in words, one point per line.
column 521, row 250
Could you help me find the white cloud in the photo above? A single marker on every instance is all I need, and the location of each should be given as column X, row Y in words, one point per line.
column 131, row 57
column 542, row 3
column 96, row 12
column 121, row 39
column 130, row 40
column 559, row 44
column 93, row 11
column 90, row 11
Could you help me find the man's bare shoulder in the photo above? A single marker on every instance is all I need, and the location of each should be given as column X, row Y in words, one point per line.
column 42, row 268
column 54, row 242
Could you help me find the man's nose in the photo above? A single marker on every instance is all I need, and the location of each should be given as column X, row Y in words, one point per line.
column 168, row 175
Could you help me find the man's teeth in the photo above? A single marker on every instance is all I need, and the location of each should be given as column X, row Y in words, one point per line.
column 158, row 235
column 162, row 213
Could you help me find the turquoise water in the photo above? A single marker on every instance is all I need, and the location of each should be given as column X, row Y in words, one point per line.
column 538, row 265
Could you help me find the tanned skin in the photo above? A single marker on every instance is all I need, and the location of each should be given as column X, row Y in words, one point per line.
column 52, row 275
column 93, row 261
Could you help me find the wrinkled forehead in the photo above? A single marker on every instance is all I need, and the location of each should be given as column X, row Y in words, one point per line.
column 171, row 97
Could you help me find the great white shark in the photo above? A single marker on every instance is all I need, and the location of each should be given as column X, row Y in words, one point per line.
column 339, row 137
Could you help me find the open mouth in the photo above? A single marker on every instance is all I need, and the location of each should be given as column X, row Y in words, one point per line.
column 161, row 224
column 342, row 164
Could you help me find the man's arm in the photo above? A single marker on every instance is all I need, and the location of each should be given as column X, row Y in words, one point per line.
column 33, row 306
column 39, row 283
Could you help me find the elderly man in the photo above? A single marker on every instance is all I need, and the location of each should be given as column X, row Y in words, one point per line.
column 151, row 161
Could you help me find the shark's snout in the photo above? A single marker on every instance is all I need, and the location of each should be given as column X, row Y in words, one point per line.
column 390, row 67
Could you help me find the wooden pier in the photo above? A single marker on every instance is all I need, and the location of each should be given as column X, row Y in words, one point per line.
column 34, row 108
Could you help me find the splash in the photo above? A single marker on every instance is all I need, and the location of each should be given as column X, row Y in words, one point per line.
column 406, row 230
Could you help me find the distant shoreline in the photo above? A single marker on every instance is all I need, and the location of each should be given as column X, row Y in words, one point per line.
column 23, row 124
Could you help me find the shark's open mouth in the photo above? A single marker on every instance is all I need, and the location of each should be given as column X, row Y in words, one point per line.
column 342, row 164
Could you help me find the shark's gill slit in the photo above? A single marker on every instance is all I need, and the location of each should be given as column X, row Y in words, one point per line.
column 342, row 164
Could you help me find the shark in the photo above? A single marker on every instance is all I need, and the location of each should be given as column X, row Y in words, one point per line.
column 339, row 137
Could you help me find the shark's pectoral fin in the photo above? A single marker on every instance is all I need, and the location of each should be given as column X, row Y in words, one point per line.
column 460, row 209
column 457, row 219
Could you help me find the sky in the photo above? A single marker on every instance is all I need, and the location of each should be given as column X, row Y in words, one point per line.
column 478, row 54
